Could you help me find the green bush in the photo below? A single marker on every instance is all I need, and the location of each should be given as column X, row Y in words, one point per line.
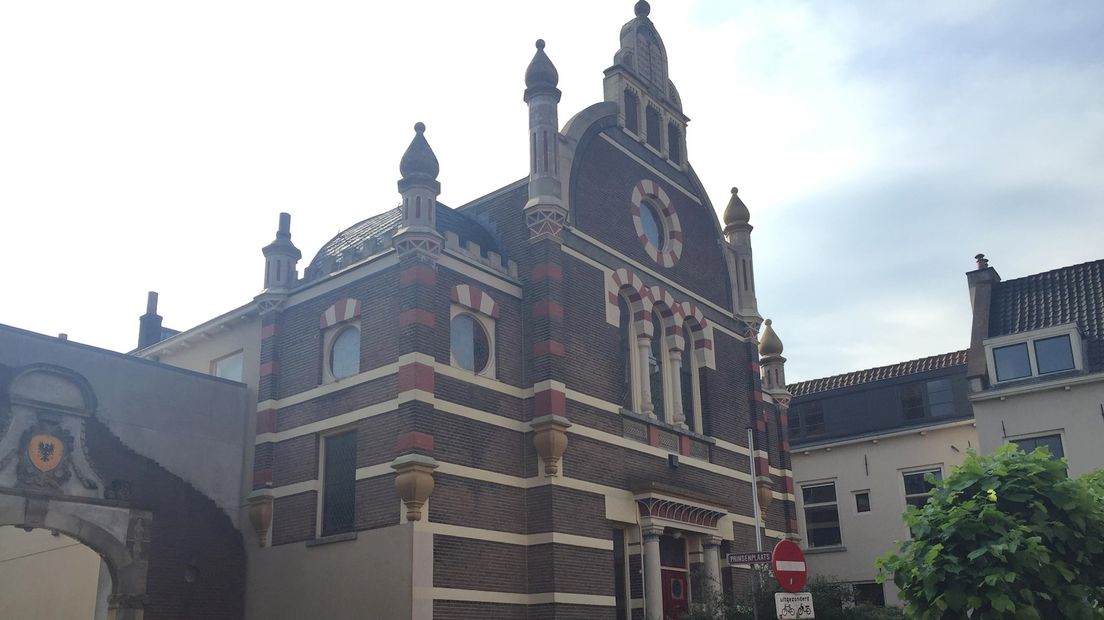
column 832, row 600
column 1004, row 536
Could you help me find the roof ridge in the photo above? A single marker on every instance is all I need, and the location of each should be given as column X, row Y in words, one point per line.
column 879, row 373
column 1055, row 270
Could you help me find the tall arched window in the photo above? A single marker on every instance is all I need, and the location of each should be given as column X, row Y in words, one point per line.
column 626, row 350
column 656, row 367
column 674, row 143
column 686, row 378
column 632, row 111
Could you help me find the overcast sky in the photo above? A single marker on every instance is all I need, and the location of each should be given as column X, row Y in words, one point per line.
column 880, row 145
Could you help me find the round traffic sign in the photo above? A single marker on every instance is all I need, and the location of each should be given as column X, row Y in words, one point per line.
column 788, row 563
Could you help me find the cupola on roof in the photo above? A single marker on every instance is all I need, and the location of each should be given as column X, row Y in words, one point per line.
column 736, row 212
column 541, row 72
column 771, row 344
column 419, row 162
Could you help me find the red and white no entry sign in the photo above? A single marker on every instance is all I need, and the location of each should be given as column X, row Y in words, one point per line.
column 789, row 567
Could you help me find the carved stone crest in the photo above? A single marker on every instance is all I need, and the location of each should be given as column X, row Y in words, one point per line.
column 45, row 460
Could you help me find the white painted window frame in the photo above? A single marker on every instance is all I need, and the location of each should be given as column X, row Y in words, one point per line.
column 329, row 336
column 215, row 363
column 924, row 469
column 1070, row 329
column 488, row 323
column 803, row 507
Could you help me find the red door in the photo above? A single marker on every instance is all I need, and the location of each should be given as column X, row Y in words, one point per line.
column 676, row 598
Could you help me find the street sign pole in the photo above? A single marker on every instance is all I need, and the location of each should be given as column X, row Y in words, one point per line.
column 755, row 514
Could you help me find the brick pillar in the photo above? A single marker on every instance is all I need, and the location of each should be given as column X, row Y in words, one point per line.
column 267, row 387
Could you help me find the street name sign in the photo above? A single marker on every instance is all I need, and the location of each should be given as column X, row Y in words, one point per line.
column 789, row 566
column 795, row 606
column 749, row 557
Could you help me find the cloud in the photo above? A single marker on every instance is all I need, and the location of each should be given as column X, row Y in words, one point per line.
column 879, row 146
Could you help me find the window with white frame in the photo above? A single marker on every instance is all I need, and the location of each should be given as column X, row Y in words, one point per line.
column 342, row 352
column 1052, row 442
column 472, row 331
column 822, row 522
column 1034, row 354
column 229, row 367
column 862, row 501
column 917, row 485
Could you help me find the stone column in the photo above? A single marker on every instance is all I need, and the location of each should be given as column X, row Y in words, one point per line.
column 644, row 346
column 653, row 580
column 711, row 556
column 678, row 416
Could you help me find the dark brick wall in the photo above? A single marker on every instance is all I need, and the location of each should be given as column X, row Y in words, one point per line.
column 465, row 610
column 484, row 399
column 594, row 461
column 377, row 504
column 500, row 565
column 462, row 501
column 188, row 529
column 299, row 343
column 333, row 404
column 564, row 568
column 296, row 460
column 601, row 198
column 293, row 518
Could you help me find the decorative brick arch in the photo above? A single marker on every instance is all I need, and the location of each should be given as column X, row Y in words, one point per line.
column 625, row 282
column 664, row 304
column 474, row 299
column 698, row 330
column 672, row 250
column 342, row 310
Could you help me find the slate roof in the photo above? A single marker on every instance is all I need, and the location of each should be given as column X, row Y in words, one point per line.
column 881, row 373
column 1073, row 294
column 382, row 225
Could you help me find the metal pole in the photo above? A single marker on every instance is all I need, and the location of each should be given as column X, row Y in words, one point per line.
column 755, row 514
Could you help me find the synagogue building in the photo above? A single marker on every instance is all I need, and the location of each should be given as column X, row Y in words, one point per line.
column 548, row 402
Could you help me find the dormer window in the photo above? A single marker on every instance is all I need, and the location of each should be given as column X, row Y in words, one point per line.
column 1035, row 354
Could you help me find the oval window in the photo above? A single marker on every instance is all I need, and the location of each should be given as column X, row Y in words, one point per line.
column 652, row 224
column 345, row 353
column 470, row 347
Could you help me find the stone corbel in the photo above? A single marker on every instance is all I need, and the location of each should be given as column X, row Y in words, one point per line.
column 260, row 513
column 550, row 439
column 764, row 487
column 414, row 482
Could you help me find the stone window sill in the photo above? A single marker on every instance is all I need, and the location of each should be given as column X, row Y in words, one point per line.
column 333, row 538
column 832, row 549
column 667, row 427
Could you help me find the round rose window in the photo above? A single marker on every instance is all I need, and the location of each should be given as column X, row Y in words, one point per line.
column 657, row 223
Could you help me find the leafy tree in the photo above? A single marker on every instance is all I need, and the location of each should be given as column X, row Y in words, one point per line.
column 1004, row 536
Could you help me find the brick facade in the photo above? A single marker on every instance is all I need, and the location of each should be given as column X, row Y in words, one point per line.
column 520, row 526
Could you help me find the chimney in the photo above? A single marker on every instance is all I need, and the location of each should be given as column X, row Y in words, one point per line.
column 981, row 282
column 149, row 324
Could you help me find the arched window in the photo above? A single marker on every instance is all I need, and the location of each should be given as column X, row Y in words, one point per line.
column 471, row 348
column 656, row 369
column 674, row 143
column 345, row 353
column 651, row 117
column 625, row 349
column 687, row 371
column 632, row 111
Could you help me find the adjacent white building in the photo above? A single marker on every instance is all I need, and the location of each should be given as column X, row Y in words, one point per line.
column 1036, row 371
column 863, row 444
